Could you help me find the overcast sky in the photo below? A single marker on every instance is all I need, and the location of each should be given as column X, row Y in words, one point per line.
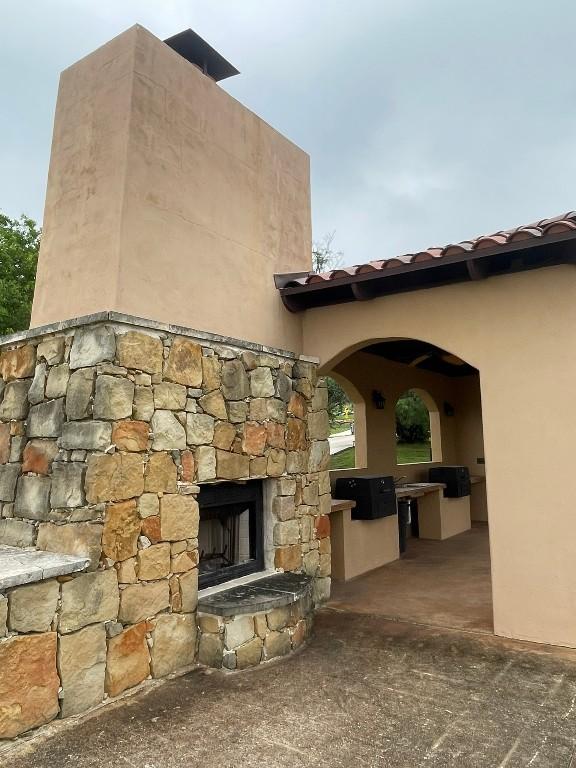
column 427, row 121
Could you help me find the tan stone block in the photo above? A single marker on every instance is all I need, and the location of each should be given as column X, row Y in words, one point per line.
column 310, row 493
column 205, row 457
column 4, row 443
column 143, row 407
column 82, row 539
column 258, row 409
column 179, row 517
column 278, row 618
column 224, row 434
column 32, row 607
column 161, row 474
column 297, row 405
column 131, row 435
column 189, row 591
column 154, row 562
column 249, row 654
column 184, row 364
column 209, row 623
column 261, row 625
column 276, row 462
column 295, row 434
column 142, row 601
column 38, row 456
column 176, row 547
column 275, row 435
column 283, row 507
column 18, row 363
column 286, row 486
column 51, row 350
column 311, row 562
column 89, row 598
column 212, row 373
column 114, row 477
column 258, row 466
column 299, row 634
column 235, row 384
column 140, row 351
column 174, row 645
column 28, row 684
column 128, row 660
column 261, row 382
column 254, row 438
column 211, row 650
column 288, row 558
column 213, row 403
column 121, row 530
column 82, row 665
column 277, row 644
column 183, row 562
column 318, row 425
column 238, row 631
column 151, row 528
column 322, row 526
column 325, row 546
column 325, row 567
column 148, row 505
column 170, row 397
column 325, row 504
column 113, row 398
column 324, row 482
column 126, row 571
column 319, row 459
column 3, row 616
column 231, row 466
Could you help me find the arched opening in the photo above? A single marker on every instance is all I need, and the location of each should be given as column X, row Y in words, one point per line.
column 417, row 429
column 428, row 561
column 347, row 414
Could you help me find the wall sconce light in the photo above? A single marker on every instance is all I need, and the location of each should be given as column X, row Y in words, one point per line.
column 378, row 399
column 448, row 409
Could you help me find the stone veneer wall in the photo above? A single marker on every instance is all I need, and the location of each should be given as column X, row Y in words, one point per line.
column 107, row 426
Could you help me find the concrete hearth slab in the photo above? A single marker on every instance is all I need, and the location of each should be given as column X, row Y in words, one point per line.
column 24, row 566
column 263, row 595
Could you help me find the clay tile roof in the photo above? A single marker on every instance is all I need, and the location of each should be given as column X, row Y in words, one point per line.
column 544, row 228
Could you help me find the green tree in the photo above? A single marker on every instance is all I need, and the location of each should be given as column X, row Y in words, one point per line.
column 337, row 398
column 19, row 243
column 412, row 419
column 324, row 257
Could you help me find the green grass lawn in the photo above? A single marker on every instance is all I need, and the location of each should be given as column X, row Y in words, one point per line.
column 406, row 453
column 339, row 426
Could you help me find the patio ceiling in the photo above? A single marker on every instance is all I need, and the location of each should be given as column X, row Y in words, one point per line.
column 545, row 243
column 420, row 354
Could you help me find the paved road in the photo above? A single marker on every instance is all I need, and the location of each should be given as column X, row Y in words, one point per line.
column 341, row 441
column 365, row 693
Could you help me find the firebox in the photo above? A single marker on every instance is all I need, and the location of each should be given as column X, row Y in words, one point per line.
column 230, row 539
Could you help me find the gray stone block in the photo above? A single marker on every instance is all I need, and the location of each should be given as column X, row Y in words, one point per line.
column 235, row 384
column 91, row 598
column 67, row 485
column 8, row 478
column 17, row 533
column 91, row 346
column 82, row 665
column 15, row 401
column 32, row 607
column 36, row 391
column 33, row 498
column 86, row 435
column 57, row 381
column 79, row 393
column 113, row 398
column 51, row 350
column 168, row 433
column 46, row 419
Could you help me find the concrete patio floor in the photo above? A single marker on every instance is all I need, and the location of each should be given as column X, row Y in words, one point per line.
column 364, row 692
column 438, row 583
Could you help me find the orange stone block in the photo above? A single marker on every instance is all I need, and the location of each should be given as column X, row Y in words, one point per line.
column 297, row 405
column 131, row 435
column 121, row 530
column 275, row 435
column 254, row 440
column 128, row 659
column 288, row 558
column 18, row 363
column 322, row 525
column 295, row 435
column 188, row 466
column 38, row 456
column 151, row 528
column 4, row 443
column 28, row 683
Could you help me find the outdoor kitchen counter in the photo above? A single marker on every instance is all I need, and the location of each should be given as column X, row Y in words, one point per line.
column 415, row 490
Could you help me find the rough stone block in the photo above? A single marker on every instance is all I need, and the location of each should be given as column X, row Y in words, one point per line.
column 18, row 363
column 199, row 428
column 81, row 538
column 321, row 590
column 131, row 435
column 261, row 382
column 38, row 386
column 82, row 666
column 67, row 485
column 38, row 456
column 32, row 607
column 154, row 562
column 318, row 425
column 86, row 436
column 184, row 364
column 113, row 398
column 167, row 432
column 46, row 419
column 230, row 466
column 235, row 383
column 286, row 533
column 15, row 404
column 319, row 456
column 188, row 466
column 283, row 507
column 79, row 394
column 205, row 457
column 214, row 404
column 3, row 616
column 211, row 373
column 211, row 650
column 278, row 618
column 238, row 631
column 57, row 382
column 179, row 517
column 277, row 644
column 143, row 407
column 170, row 397
column 142, row 601
column 128, row 660
column 276, row 462
column 17, row 533
column 33, row 497
column 174, row 644
column 91, row 346
column 90, row 598
column 148, row 505
column 121, row 531
column 320, row 399
column 258, row 466
column 254, row 438
column 9, row 474
column 189, row 591
column 126, row 571
column 51, row 350
column 322, row 526
column 237, row 411
column 28, row 684
column 311, row 562
column 4, row 443
column 288, row 558
column 249, row 654
column 114, row 477
column 140, row 352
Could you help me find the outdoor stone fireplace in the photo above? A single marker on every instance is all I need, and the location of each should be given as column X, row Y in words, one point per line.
column 139, row 462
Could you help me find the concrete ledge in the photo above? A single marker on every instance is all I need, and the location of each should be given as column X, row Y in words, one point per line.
column 260, row 596
column 25, row 566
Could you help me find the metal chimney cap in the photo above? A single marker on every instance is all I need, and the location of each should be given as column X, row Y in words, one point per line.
column 196, row 50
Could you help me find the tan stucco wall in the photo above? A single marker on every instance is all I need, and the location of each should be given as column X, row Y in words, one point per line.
column 520, row 332
column 168, row 199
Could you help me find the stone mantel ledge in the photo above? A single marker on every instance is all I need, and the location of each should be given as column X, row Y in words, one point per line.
column 25, row 566
column 258, row 596
column 120, row 319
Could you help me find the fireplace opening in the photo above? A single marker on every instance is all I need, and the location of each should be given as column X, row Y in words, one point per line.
column 230, row 540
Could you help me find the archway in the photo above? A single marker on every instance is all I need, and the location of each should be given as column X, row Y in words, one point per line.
column 418, row 434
